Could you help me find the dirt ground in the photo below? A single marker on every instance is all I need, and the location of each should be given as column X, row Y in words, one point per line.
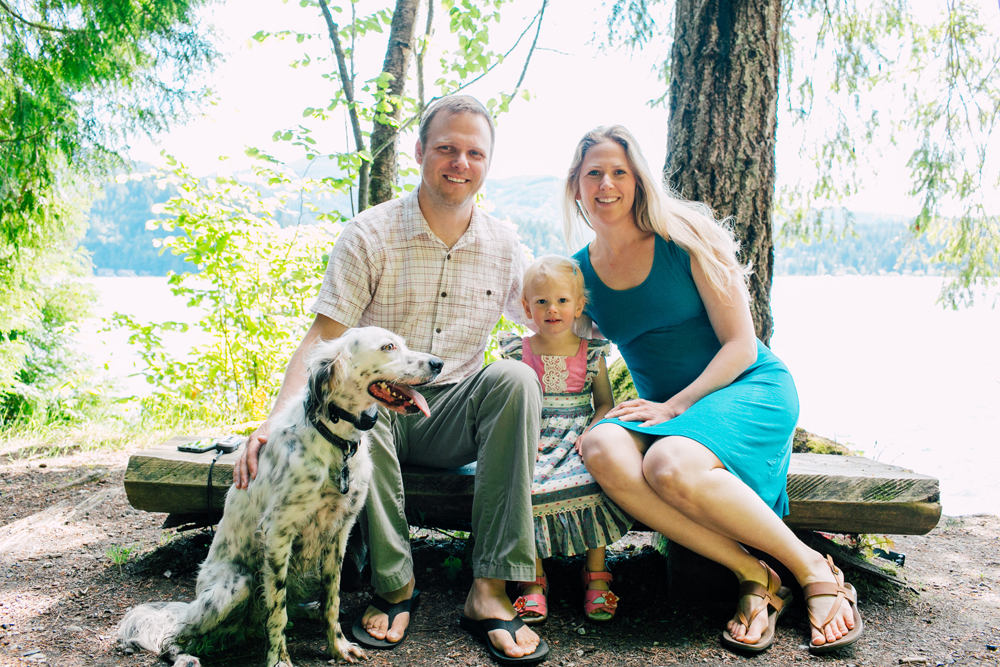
column 75, row 556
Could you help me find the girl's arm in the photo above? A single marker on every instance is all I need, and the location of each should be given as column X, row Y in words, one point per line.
column 604, row 398
column 730, row 317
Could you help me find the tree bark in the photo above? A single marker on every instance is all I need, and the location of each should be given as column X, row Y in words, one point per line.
column 384, row 136
column 723, row 118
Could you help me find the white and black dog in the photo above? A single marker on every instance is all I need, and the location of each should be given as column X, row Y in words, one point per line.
column 282, row 540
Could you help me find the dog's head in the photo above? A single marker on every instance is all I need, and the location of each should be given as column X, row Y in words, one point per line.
column 372, row 363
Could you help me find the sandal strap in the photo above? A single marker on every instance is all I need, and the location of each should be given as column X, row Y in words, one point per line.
column 539, row 603
column 589, row 576
column 609, row 601
column 540, row 580
column 829, row 588
column 511, row 626
column 768, row 594
column 390, row 609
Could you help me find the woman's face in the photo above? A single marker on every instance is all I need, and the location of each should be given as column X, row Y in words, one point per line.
column 606, row 188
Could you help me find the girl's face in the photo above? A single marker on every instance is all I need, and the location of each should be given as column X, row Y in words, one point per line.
column 552, row 304
column 606, row 188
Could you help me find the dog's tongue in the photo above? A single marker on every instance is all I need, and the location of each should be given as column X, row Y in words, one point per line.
column 400, row 398
column 417, row 401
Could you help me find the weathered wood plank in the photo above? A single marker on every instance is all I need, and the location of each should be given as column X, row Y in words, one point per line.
column 842, row 494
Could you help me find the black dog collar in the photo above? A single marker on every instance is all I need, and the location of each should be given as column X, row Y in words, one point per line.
column 363, row 422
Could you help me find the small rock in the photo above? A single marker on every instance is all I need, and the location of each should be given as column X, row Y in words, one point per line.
column 73, row 628
column 42, row 465
column 581, row 631
column 167, row 574
column 579, row 652
column 31, row 652
column 913, row 661
column 991, row 647
column 129, row 651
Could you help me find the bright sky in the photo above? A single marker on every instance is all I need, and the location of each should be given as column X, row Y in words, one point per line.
column 576, row 86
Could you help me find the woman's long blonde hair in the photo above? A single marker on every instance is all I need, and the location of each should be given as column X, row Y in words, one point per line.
column 691, row 225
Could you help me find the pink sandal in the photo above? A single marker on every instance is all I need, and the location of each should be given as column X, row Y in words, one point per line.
column 598, row 605
column 532, row 608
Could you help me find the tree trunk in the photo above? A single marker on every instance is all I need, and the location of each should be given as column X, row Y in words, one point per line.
column 384, row 137
column 723, row 117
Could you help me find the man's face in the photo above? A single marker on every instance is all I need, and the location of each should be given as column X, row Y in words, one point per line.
column 456, row 158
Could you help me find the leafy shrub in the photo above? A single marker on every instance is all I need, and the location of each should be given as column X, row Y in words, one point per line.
column 253, row 280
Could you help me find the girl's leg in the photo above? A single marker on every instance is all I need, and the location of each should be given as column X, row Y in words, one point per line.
column 711, row 525
column 595, row 562
column 599, row 604
column 539, row 572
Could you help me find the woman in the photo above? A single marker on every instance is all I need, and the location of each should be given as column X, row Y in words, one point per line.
column 702, row 457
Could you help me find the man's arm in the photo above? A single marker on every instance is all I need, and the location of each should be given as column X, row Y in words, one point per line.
column 295, row 378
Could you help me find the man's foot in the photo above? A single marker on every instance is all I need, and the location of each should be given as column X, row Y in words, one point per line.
column 488, row 599
column 376, row 623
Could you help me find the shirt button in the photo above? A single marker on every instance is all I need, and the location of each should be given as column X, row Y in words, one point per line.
column 489, row 292
column 444, row 294
column 438, row 330
column 449, row 256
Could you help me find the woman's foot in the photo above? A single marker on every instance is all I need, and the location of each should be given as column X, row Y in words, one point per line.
column 832, row 608
column 599, row 603
column 761, row 604
column 532, row 604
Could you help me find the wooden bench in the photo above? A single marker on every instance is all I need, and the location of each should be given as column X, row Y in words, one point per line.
column 837, row 494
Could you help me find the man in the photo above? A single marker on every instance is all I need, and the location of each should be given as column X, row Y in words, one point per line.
column 435, row 269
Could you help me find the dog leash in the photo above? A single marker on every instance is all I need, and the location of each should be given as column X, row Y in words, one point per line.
column 363, row 422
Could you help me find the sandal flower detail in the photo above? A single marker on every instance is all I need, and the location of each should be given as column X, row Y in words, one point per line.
column 532, row 608
column 598, row 605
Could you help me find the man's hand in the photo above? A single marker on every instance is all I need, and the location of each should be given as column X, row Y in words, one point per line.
column 246, row 467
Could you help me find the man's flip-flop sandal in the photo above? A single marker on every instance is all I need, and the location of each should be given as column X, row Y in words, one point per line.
column 775, row 599
column 481, row 629
column 392, row 611
column 843, row 592
column 532, row 608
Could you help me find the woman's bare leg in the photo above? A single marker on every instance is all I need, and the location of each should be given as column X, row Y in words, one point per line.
column 682, row 490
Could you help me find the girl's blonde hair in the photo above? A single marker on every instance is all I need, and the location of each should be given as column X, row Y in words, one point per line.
column 691, row 225
column 549, row 267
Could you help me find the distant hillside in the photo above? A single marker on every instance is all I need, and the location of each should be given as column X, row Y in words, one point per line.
column 120, row 243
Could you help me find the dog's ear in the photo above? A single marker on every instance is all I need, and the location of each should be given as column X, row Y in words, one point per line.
column 339, row 366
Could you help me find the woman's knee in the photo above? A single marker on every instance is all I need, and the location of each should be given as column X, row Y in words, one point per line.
column 601, row 450
column 666, row 473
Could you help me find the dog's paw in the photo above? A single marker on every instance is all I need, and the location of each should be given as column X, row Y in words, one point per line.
column 345, row 651
column 184, row 660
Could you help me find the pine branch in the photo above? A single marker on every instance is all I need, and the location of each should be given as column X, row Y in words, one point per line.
column 38, row 26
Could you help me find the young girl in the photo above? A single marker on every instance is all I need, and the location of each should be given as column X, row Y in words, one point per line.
column 571, row 512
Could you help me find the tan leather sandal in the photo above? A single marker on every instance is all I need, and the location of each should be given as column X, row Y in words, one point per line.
column 775, row 599
column 843, row 591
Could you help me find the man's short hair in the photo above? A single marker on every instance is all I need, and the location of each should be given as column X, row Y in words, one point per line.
column 451, row 105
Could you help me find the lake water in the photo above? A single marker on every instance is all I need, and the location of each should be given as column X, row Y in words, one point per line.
column 878, row 364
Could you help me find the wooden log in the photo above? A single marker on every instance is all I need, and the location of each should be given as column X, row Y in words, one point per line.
column 838, row 494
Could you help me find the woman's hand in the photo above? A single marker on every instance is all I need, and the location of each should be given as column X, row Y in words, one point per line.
column 647, row 412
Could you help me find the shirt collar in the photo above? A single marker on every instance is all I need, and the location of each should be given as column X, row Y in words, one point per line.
column 415, row 224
